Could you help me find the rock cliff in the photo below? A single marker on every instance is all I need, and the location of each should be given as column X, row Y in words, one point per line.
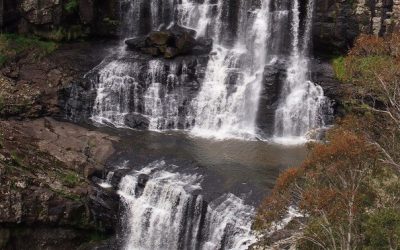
column 61, row 19
column 339, row 22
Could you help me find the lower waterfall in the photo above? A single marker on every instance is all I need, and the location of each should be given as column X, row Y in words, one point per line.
column 165, row 210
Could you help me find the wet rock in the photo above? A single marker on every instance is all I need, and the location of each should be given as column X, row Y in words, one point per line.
column 104, row 207
column 117, row 176
column 159, row 38
column 203, row 46
column 136, row 121
column 136, row 43
column 170, row 43
column 142, row 180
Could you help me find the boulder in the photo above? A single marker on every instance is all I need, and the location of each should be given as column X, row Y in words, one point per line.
column 137, row 121
column 171, row 52
column 203, row 46
column 158, row 38
column 170, row 43
column 136, row 43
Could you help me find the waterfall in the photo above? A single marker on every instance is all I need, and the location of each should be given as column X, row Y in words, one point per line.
column 303, row 104
column 220, row 95
column 165, row 210
column 227, row 104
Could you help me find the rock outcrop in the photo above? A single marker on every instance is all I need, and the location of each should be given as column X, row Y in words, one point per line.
column 172, row 42
column 62, row 19
column 339, row 22
column 45, row 196
column 29, row 86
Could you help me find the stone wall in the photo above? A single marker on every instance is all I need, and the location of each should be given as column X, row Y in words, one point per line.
column 339, row 22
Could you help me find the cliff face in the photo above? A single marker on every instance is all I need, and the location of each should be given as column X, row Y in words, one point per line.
column 61, row 19
column 338, row 22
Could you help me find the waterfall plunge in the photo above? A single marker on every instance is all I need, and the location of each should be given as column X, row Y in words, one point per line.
column 303, row 104
column 167, row 213
column 224, row 111
column 226, row 106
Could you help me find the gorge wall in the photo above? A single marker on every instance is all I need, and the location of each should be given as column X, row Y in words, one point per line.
column 336, row 23
column 339, row 22
column 60, row 19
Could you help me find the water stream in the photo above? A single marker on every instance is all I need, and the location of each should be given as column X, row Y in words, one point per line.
column 200, row 163
column 226, row 102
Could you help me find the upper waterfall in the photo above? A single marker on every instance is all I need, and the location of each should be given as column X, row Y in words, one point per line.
column 227, row 103
column 219, row 94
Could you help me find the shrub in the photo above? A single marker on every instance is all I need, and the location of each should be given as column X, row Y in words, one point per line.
column 12, row 45
column 382, row 229
column 71, row 6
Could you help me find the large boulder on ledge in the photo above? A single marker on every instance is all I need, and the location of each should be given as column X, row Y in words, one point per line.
column 171, row 42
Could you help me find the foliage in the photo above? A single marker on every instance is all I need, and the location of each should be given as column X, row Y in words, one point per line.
column 383, row 229
column 332, row 187
column 17, row 160
column 71, row 33
column 349, row 189
column 339, row 67
column 71, row 6
column 2, row 103
column 70, row 179
column 12, row 45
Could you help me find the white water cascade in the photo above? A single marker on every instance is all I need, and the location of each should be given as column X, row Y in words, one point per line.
column 224, row 96
column 223, row 110
column 164, row 211
column 303, row 105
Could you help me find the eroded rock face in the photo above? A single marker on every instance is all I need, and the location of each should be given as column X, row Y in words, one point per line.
column 29, row 86
column 43, row 176
column 41, row 12
column 61, row 20
column 339, row 22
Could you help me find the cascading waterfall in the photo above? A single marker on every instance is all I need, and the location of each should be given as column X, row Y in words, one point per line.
column 247, row 38
column 227, row 104
column 164, row 210
column 303, row 105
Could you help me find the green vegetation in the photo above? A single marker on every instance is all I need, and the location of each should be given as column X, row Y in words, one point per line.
column 71, row 6
column 339, row 67
column 70, row 179
column 383, row 229
column 17, row 160
column 349, row 188
column 67, row 195
column 71, row 33
column 2, row 102
column 12, row 45
column 1, row 141
column 111, row 22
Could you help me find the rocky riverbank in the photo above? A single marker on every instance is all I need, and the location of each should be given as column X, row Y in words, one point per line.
column 46, row 196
